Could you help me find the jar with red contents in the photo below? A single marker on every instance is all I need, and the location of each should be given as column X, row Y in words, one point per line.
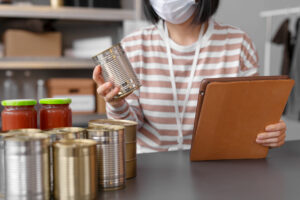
column 55, row 113
column 19, row 114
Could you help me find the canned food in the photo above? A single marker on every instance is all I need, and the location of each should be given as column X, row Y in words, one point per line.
column 27, row 167
column 2, row 164
column 117, row 69
column 75, row 170
column 110, row 156
column 130, row 138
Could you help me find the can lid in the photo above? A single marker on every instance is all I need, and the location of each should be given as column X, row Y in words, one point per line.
column 55, row 101
column 24, row 137
column 26, row 130
column 74, row 147
column 19, row 102
column 106, row 127
column 70, row 129
column 6, row 134
column 112, row 122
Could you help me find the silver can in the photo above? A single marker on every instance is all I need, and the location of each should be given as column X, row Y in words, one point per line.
column 117, row 69
column 2, row 165
column 27, row 167
column 130, row 141
column 110, row 156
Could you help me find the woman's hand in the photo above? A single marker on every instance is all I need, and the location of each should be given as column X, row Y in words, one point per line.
column 274, row 135
column 106, row 89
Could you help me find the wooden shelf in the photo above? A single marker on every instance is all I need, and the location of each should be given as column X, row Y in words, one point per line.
column 66, row 13
column 45, row 63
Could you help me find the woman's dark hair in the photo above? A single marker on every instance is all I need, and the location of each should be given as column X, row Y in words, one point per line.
column 204, row 10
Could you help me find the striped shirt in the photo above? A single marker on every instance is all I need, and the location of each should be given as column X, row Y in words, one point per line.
column 225, row 51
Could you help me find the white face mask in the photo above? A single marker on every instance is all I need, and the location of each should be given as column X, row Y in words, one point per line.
column 174, row 11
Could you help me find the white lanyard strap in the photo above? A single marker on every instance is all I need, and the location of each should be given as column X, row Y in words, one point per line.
column 180, row 116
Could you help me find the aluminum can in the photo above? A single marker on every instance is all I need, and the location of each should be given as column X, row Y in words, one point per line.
column 117, row 69
column 130, row 141
column 75, row 170
column 110, row 156
column 27, row 167
column 2, row 165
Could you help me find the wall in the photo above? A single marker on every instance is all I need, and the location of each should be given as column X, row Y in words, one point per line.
column 245, row 14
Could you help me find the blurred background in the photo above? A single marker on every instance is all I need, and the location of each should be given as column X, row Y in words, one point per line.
column 46, row 45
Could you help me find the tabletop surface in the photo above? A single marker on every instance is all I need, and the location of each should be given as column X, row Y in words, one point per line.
column 171, row 175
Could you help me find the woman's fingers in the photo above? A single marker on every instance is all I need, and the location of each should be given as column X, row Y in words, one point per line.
column 274, row 136
column 267, row 135
column 278, row 144
column 276, row 127
column 271, row 140
column 104, row 89
column 109, row 96
column 97, row 75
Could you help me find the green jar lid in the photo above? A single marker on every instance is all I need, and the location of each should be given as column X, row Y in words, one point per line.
column 19, row 102
column 55, row 101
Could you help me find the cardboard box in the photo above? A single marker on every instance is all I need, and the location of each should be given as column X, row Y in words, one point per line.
column 80, row 90
column 19, row 43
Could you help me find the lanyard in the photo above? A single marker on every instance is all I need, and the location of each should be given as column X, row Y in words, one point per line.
column 180, row 116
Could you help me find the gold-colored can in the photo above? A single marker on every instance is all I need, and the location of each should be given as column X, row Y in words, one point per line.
column 130, row 151
column 130, row 139
column 75, row 170
column 110, row 156
column 131, row 168
column 57, row 135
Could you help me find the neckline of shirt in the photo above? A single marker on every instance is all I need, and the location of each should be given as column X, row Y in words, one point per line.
column 188, row 48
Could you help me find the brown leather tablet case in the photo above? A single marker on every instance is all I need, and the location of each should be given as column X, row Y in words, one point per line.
column 232, row 111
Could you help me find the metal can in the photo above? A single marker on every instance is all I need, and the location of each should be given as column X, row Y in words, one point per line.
column 117, row 69
column 27, row 167
column 74, row 132
column 57, row 135
column 2, row 165
column 75, row 170
column 130, row 141
column 110, row 156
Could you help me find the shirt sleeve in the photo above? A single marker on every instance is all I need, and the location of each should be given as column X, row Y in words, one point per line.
column 248, row 58
column 129, row 110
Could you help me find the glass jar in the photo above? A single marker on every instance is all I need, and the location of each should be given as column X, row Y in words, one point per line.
column 19, row 114
column 55, row 113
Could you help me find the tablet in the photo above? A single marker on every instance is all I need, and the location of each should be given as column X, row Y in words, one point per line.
column 231, row 112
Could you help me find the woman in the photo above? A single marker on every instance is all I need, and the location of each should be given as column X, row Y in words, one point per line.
column 183, row 46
